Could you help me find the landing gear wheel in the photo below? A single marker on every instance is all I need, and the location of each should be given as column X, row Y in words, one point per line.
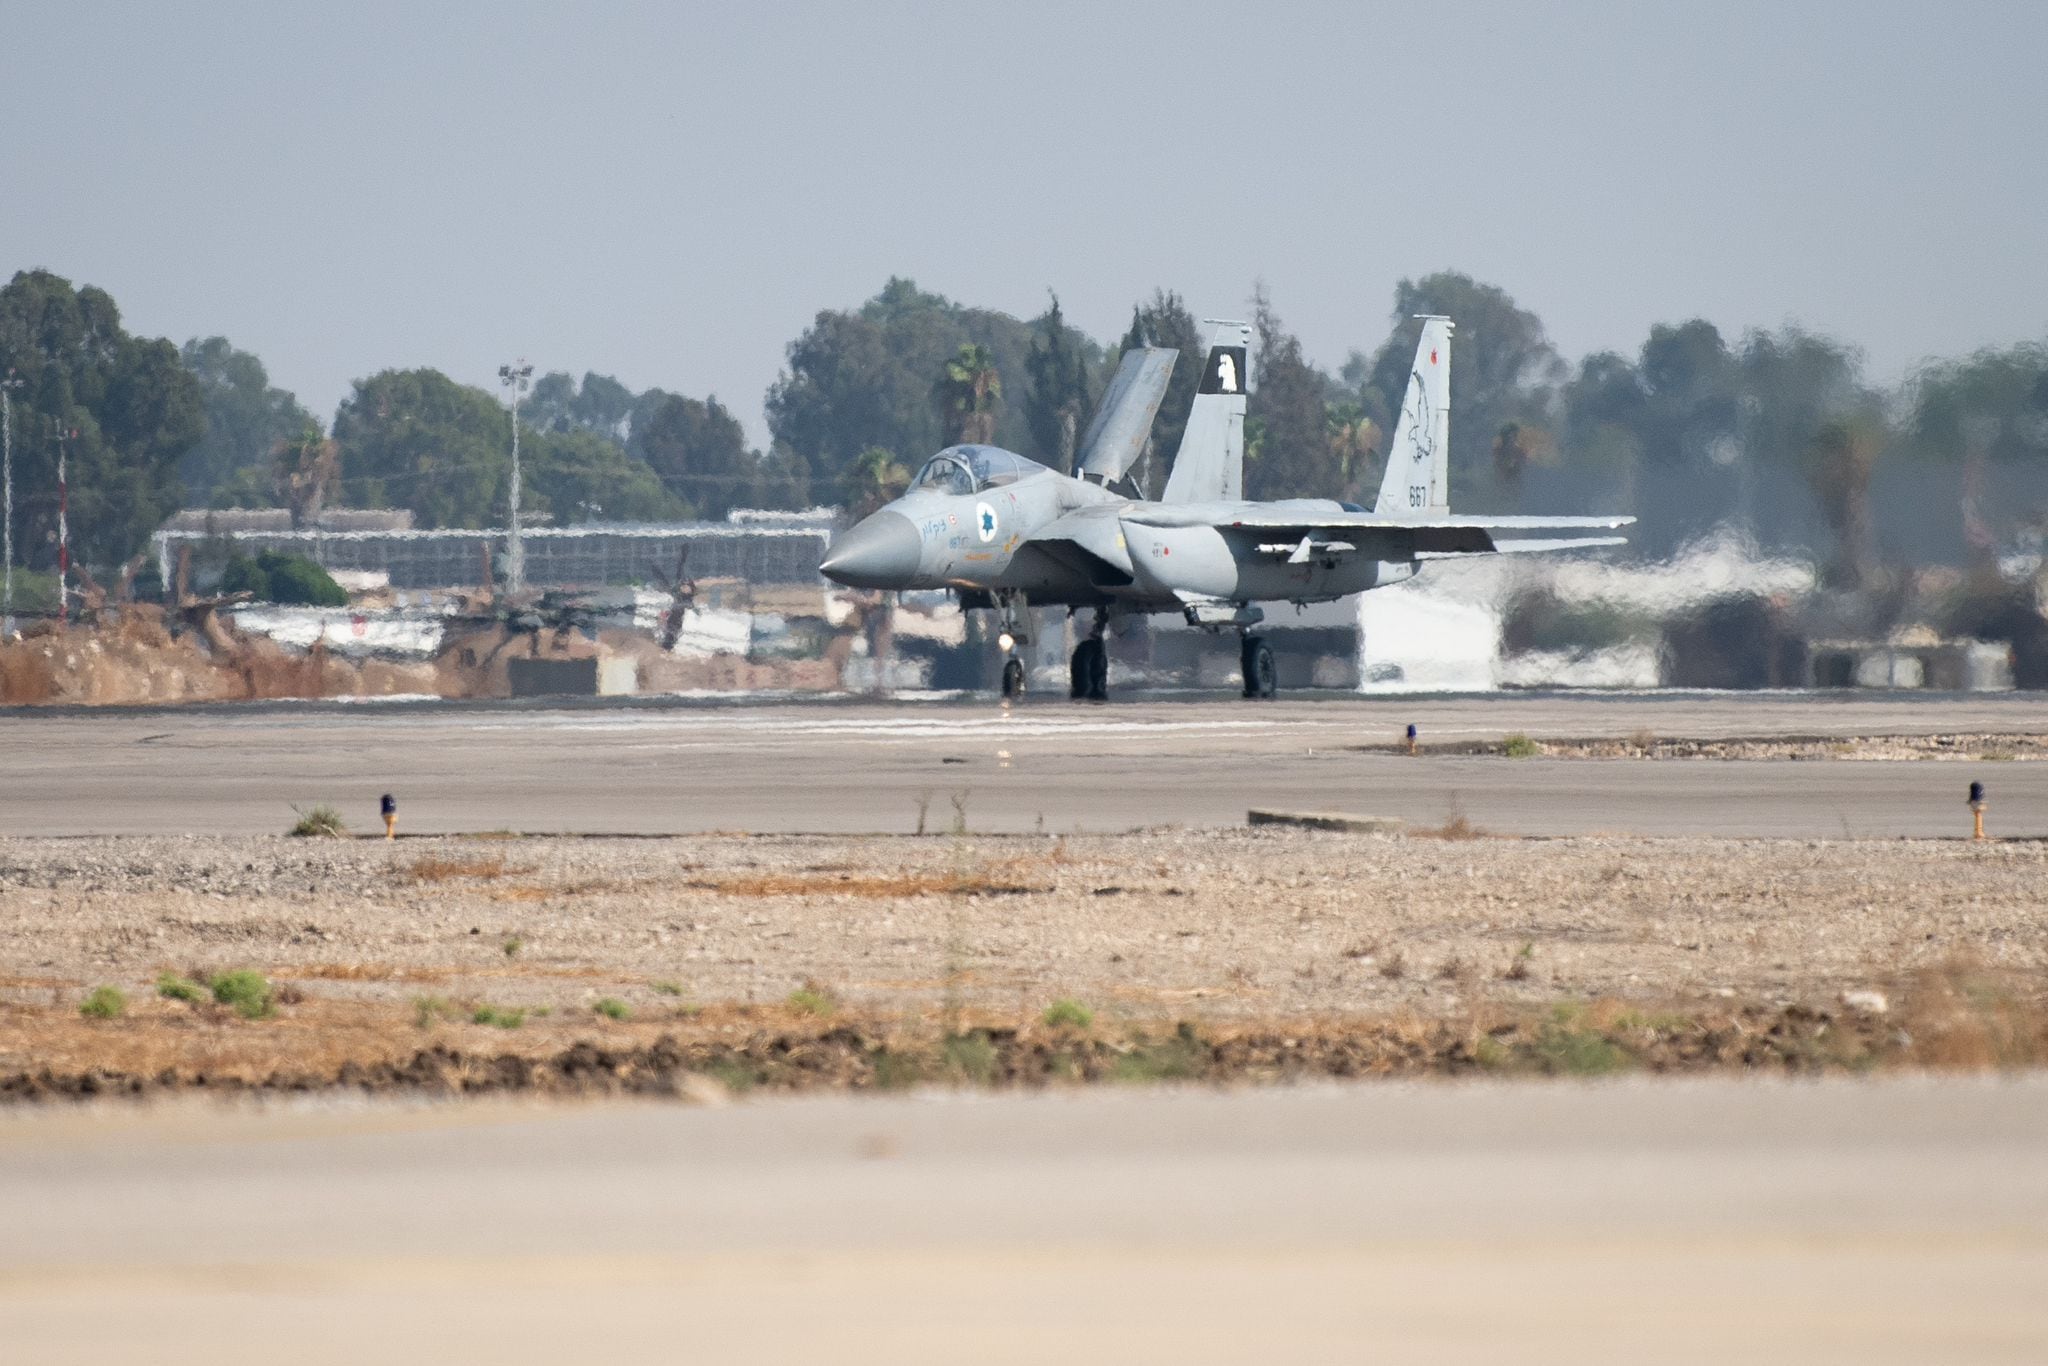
column 1089, row 674
column 1013, row 678
column 1256, row 659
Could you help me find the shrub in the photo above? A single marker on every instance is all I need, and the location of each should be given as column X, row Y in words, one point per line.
column 1520, row 746
column 1067, row 1013
column 172, row 987
column 668, row 988
column 292, row 580
column 969, row 1058
column 105, row 1003
column 1568, row 1045
column 322, row 822
column 1182, row 1057
column 502, row 1017
column 612, row 1008
column 247, row 992
column 812, row 999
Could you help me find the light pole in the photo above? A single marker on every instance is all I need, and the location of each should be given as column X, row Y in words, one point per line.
column 65, row 436
column 515, row 377
column 7, row 388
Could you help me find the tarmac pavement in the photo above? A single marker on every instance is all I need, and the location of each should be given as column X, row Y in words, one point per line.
column 1046, row 764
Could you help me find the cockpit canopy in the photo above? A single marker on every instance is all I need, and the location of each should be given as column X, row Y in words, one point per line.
column 970, row 469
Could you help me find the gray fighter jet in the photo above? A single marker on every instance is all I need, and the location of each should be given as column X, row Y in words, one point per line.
column 1005, row 532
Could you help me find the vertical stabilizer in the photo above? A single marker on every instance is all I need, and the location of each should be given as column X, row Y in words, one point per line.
column 1418, row 477
column 1123, row 420
column 1209, row 467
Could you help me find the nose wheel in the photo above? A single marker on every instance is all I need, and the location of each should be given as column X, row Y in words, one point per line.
column 1256, row 659
column 1010, row 609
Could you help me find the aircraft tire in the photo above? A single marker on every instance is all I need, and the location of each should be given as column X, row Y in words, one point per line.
column 1098, row 672
column 1083, row 675
column 1257, row 662
column 1013, row 678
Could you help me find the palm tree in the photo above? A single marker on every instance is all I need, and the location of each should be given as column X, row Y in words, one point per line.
column 874, row 479
column 966, row 394
column 1354, row 440
column 1838, row 469
column 301, row 470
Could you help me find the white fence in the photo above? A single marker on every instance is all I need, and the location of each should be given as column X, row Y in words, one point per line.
column 556, row 557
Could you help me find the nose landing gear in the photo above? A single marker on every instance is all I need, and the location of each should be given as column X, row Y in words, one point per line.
column 1010, row 637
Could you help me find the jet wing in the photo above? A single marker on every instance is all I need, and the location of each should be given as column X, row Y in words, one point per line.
column 1530, row 546
column 1308, row 514
column 1090, row 541
column 1310, row 528
column 1123, row 420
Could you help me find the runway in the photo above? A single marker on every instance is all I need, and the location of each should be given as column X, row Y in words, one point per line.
column 1043, row 765
column 1869, row 1222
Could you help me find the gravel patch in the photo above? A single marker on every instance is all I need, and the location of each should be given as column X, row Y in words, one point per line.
column 1218, row 924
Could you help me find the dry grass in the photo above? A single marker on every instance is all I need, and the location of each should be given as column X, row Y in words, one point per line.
column 994, row 880
column 598, row 886
column 365, row 972
column 1964, row 1016
column 1455, row 826
column 439, row 868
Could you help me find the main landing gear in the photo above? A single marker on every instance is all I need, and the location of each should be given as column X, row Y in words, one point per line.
column 1255, row 658
column 1088, row 675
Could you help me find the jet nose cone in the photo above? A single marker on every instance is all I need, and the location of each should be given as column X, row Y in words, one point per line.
column 882, row 550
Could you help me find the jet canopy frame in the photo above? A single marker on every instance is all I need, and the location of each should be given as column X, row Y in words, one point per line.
column 973, row 469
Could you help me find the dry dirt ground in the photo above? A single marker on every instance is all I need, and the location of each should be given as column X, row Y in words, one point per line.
column 489, row 964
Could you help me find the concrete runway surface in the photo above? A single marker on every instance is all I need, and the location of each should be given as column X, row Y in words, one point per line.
column 1903, row 1220
column 1045, row 764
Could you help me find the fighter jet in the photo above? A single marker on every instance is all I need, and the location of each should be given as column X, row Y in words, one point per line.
column 1005, row 533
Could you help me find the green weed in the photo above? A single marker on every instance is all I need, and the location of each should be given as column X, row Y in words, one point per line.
column 812, row 999
column 969, row 1058
column 105, row 1003
column 1565, row 1046
column 1067, row 1013
column 246, row 991
column 172, row 987
column 1180, row 1057
column 322, row 822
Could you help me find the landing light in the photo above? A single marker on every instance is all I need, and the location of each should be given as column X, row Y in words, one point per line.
column 1007, row 641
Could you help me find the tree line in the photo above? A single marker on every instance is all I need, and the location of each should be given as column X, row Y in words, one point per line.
column 1777, row 431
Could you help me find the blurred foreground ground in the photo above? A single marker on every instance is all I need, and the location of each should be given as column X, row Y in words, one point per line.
column 1846, row 1221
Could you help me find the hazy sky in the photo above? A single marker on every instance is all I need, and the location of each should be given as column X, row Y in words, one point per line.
column 668, row 193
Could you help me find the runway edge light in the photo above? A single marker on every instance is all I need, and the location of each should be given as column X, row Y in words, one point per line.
column 388, row 804
column 1977, row 805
